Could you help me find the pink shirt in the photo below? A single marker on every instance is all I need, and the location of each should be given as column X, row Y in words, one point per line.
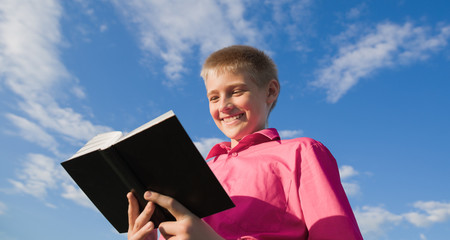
column 283, row 189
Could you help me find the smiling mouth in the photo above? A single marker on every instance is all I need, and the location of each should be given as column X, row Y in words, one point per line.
column 232, row 118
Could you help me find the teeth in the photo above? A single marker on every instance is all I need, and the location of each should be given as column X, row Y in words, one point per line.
column 229, row 119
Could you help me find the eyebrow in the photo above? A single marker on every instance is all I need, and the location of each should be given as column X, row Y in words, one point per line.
column 210, row 93
column 227, row 87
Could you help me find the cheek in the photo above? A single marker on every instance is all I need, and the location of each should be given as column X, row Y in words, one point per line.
column 248, row 105
column 213, row 111
column 256, row 109
column 242, row 102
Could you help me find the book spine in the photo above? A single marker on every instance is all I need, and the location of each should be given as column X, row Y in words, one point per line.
column 121, row 168
column 125, row 174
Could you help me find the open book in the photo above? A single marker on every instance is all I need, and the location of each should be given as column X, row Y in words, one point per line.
column 158, row 156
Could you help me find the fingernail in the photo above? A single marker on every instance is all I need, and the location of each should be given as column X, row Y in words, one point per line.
column 149, row 225
column 147, row 194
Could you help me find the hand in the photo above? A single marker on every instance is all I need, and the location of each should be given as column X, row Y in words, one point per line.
column 186, row 226
column 139, row 225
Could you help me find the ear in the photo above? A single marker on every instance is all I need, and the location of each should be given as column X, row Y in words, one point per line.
column 272, row 91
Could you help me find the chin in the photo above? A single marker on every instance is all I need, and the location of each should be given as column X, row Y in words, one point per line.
column 236, row 135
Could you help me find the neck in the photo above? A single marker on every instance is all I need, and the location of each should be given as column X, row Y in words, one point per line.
column 234, row 143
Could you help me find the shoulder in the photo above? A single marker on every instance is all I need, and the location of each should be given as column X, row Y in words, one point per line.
column 309, row 149
column 303, row 142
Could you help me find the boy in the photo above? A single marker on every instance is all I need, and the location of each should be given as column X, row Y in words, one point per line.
column 282, row 189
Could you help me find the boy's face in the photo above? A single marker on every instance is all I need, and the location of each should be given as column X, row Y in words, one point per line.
column 238, row 106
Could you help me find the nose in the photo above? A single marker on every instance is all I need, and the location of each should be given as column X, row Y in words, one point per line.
column 225, row 105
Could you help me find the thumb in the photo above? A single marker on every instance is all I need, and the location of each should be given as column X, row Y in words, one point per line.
column 172, row 205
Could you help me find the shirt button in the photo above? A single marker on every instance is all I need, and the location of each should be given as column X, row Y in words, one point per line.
column 234, row 154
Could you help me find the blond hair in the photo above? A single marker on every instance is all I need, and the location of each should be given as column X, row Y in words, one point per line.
column 240, row 59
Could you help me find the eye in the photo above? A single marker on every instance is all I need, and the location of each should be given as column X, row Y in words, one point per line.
column 213, row 98
column 237, row 92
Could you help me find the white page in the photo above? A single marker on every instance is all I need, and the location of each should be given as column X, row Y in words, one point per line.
column 100, row 141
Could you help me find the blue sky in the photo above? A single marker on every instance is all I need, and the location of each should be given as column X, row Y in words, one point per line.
column 369, row 79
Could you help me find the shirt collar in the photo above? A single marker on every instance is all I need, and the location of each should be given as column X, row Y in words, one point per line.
column 265, row 135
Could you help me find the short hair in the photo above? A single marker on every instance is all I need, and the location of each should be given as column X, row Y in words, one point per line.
column 241, row 59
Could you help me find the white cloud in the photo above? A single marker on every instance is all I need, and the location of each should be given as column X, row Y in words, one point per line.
column 298, row 10
column 33, row 132
column 375, row 221
column 103, row 28
column 62, row 120
column 290, row 133
column 294, row 17
column 356, row 12
column 31, row 68
column 75, row 194
column 29, row 32
column 85, row 6
column 388, row 45
column 351, row 187
column 347, row 171
column 429, row 213
column 171, row 29
column 205, row 144
column 39, row 173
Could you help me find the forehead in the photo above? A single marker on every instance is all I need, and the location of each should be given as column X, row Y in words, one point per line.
column 221, row 80
column 227, row 80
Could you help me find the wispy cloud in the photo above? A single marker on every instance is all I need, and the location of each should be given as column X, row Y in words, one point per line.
column 351, row 187
column 205, row 144
column 377, row 221
column 64, row 121
column 388, row 45
column 295, row 18
column 290, row 133
column 347, row 171
column 103, row 28
column 171, row 30
column 38, row 175
column 429, row 213
column 73, row 193
column 31, row 68
column 356, row 12
column 88, row 10
column 176, row 29
column 33, row 133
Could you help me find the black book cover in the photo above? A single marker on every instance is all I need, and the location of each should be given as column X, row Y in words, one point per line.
column 158, row 156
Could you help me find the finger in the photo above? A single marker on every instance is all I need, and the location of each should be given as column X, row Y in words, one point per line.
column 145, row 215
column 172, row 205
column 169, row 229
column 133, row 210
column 143, row 232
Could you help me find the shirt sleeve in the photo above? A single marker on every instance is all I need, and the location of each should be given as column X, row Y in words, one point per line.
column 326, row 210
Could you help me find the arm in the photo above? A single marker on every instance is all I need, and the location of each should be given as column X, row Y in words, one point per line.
column 186, row 226
column 325, row 206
